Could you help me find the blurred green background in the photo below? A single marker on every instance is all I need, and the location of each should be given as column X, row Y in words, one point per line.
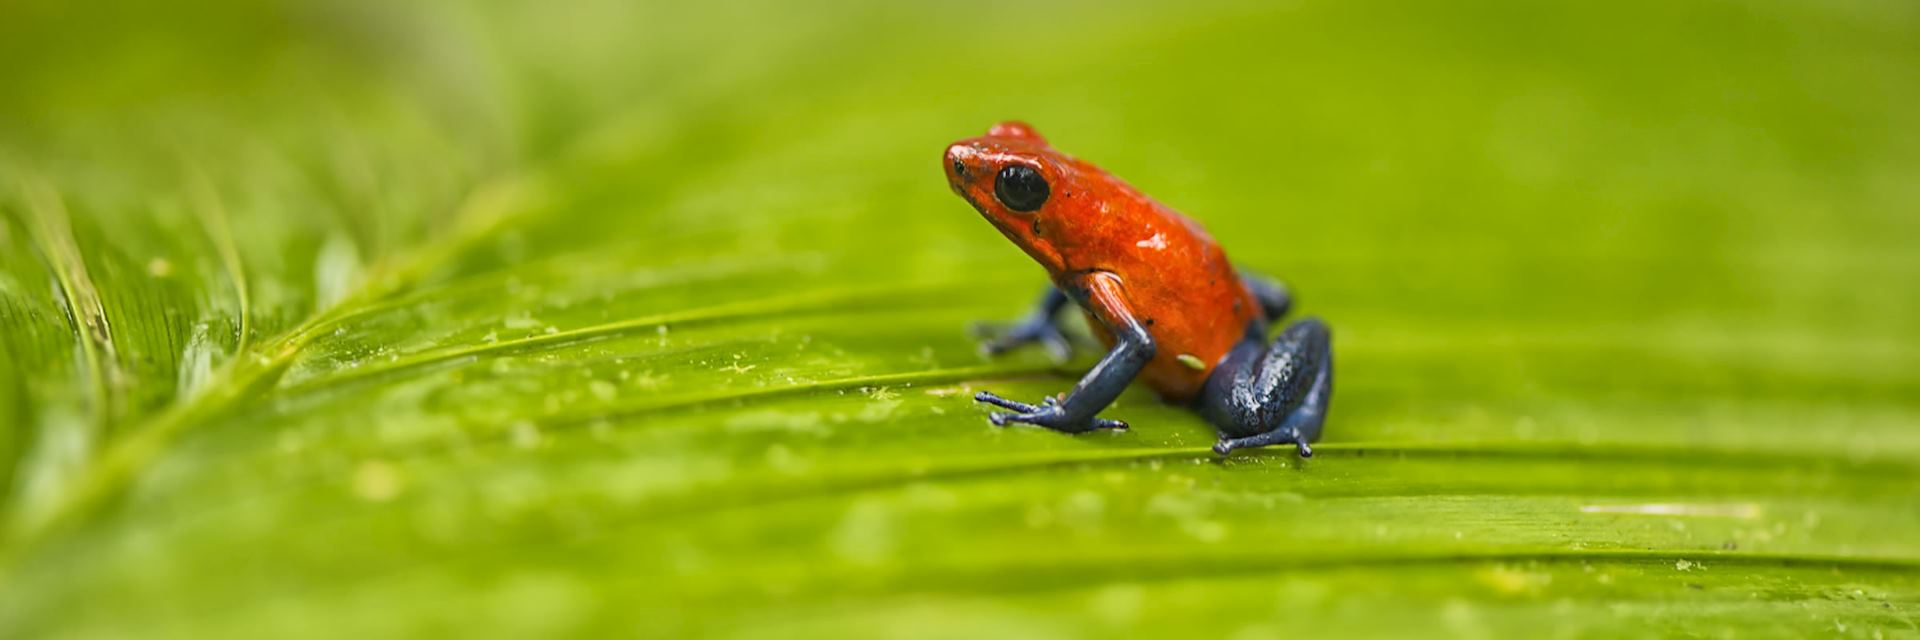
column 325, row 318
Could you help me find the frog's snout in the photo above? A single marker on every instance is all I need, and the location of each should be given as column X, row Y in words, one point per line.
column 959, row 161
column 962, row 162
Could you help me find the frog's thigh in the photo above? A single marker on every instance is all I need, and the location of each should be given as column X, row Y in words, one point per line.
column 1275, row 393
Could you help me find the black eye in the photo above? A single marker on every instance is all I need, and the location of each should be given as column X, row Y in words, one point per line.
column 1020, row 187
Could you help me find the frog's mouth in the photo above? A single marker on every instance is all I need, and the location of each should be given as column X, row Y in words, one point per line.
column 968, row 197
column 958, row 181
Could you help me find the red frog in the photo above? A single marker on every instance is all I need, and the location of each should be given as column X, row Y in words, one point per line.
column 1158, row 292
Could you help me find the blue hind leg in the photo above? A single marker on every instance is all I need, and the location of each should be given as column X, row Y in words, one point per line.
column 1274, row 297
column 1273, row 394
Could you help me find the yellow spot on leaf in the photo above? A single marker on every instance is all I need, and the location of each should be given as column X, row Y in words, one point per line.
column 377, row 481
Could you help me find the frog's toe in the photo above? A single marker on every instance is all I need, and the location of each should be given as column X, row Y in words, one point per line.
column 987, row 331
column 996, row 339
column 1279, row 436
column 1052, row 418
column 1047, row 414
column 997, row 400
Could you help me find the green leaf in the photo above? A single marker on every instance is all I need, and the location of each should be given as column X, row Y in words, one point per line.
column 341, row 318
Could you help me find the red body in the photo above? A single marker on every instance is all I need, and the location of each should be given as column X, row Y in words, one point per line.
column 1176, row 279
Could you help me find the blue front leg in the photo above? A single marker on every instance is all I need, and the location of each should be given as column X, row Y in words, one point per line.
column 1101, row 294
column 1039, row 326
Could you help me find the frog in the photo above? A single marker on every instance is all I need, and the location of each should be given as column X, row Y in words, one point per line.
column 1157, row 292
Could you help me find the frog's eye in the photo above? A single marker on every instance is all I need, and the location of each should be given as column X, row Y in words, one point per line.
column 1020, row 187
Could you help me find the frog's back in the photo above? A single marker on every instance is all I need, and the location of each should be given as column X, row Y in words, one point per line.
column 1178, row 280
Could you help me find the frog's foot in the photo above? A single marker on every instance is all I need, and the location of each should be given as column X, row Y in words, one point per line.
column 999, row 338
column 1227, row 445
column 1048, row 414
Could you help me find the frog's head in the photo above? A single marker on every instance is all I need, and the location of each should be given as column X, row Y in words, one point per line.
column 1018, row 183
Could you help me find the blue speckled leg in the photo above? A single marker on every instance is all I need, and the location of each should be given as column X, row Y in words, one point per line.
column 1038, row 327
column 1277, row 394
column 1001, row 419
column 1133, row 347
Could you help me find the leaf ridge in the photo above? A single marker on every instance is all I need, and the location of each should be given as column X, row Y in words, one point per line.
column 213, row 217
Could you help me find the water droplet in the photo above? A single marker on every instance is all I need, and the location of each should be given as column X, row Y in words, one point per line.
column 603, row 390
column 378, row 481
column 526, row 435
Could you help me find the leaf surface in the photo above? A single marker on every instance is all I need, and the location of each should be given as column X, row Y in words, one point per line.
column 325, row 318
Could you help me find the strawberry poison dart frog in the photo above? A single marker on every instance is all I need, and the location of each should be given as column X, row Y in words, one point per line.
column 1157, row 291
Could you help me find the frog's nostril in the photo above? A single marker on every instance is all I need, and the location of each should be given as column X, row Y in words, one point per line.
column 957, row 156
